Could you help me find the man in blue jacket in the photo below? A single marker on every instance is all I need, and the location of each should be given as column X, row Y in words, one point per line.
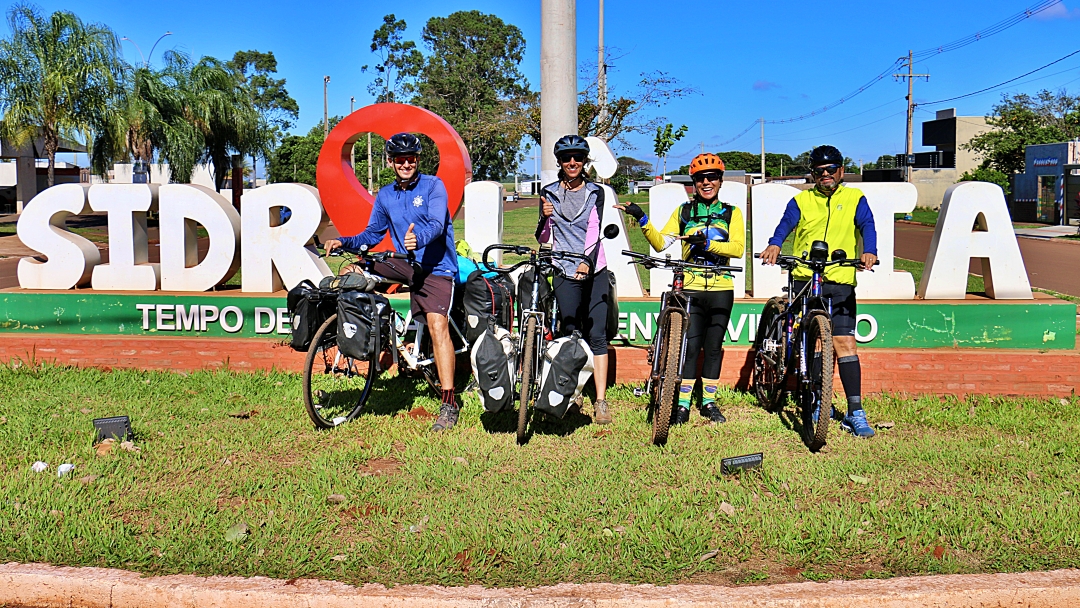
column 414, row 210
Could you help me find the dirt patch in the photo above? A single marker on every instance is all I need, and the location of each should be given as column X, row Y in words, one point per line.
column 364, row 511
column 419, row 413
column 381, row 466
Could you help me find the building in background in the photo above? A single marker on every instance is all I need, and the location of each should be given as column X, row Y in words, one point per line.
column 1047, row 189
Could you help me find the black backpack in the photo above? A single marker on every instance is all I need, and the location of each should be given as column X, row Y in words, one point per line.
column 363, row 324
column 568, row 365
column 492, row 360
column 309, row 307
column 484, row 297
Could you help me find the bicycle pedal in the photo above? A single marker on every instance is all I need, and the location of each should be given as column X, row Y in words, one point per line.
column 639, row 391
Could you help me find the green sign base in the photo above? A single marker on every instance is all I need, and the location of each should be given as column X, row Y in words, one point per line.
column 1042, row 324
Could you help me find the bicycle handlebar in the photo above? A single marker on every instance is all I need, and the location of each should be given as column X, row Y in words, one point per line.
column 544, row 256
column 672, row 263
column 789, row 262
column 376, row 256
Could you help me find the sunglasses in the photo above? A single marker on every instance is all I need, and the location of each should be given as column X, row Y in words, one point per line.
column 578, row 157
column 712, row 177
column 404, row 160
column 830, row 169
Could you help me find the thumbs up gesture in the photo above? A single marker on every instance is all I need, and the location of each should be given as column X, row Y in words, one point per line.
column 410, row 239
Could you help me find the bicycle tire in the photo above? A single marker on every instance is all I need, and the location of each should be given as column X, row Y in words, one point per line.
column 770, row 379
column 336, row 387
column 819, row 327
column 669, row 384
column 528, row 362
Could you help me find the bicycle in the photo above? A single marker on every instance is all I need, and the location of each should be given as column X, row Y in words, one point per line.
column 667, row 352
column 336, row 386
column 533, row 324
column 792, row 331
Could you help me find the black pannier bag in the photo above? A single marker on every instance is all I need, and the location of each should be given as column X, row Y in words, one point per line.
column 492, row 360
column 545, row 296
column 309, row 308
column 363, row 324
column 568, row 365
column 487, row 296
column 612, row 308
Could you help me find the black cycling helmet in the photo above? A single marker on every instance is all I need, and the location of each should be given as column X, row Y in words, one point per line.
column 403, row 144
column 571, row 143
column 826, row 155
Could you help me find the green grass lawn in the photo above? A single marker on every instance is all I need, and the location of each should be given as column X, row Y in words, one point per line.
column 956, row 486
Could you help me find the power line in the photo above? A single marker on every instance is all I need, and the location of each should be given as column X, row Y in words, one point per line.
column 845, row 130
column 997, row 28
column 1001, row 84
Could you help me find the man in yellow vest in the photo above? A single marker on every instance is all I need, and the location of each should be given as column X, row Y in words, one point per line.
column 832, row 212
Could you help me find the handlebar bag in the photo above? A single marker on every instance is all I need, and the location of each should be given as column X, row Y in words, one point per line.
column 485, row 296
column 363, row 323
column 492, row 358
column 545, row 296
column 567, row 366
column 309, row 307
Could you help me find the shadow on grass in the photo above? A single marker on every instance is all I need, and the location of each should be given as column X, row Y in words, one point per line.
column 505, row 422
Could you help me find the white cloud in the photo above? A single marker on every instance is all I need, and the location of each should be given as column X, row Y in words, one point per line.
column 1059, row 11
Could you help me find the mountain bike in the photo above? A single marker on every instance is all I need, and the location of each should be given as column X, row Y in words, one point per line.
column 534, row 323
column 336, row 386
column 667, row 352
column 793, row 331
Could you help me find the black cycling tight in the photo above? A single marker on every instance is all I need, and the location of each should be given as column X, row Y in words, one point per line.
column 709, row 314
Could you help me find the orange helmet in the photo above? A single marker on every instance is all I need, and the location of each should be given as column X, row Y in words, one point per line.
column 706, row 162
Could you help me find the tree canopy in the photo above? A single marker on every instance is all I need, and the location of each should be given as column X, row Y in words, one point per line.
column 399, row 63
column 1022, row 120
column 58, row 76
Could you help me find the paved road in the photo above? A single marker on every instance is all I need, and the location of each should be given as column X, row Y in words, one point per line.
column 1051, row 264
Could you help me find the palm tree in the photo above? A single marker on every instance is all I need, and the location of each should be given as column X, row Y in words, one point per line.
column 214, row 117
column 57, row 77
column 135, row 127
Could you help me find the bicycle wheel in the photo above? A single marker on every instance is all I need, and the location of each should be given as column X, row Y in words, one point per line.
column 770, row 350
column 335, row 386
column 528, row 371
column 818, row 328
column 669, row 383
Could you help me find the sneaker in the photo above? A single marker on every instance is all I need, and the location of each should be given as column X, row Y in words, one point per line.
column 448, row 417
column 680, row 415
column 856, row 424
column 601, row 415
column 710, row 411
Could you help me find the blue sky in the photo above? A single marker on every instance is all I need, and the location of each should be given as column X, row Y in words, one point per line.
column 776, row 59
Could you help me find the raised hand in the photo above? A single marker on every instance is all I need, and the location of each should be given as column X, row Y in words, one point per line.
column 548, row 208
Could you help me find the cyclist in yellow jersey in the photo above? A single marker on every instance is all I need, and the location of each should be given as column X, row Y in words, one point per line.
column 710, row 232
column 832, row 212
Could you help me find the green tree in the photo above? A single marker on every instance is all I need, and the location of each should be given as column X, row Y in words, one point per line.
column 666, row 137
column 136, row 125
column 1022, row 120
column 633, row 168
column 277, row 109
column 626, row 114
column 983, row 173
column 472, row 78
column 775, row 164
column 57, row 77
column 296, row 158
column 399, row 63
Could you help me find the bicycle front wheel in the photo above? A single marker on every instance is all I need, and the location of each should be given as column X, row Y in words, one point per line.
column 770, row 350
column 817, row 401
column 528, row 372
column 671, row 352
column 335, row 386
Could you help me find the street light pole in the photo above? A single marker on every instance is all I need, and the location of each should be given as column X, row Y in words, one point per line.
column 146, row 58
column 352, row 150
column 325, row 112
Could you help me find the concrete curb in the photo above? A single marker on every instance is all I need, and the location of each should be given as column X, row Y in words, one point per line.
column 43, row 586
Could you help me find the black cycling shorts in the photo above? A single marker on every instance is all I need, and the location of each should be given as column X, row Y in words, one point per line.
column 843, row 305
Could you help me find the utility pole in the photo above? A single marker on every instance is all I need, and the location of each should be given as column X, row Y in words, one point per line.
column 325, row 113
column 763, row 149
column 601, row 76
column 352, row 150
column 910, row 76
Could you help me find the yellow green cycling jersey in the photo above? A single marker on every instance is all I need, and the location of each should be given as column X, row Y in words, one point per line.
column 834, row 218
column 723, row 225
